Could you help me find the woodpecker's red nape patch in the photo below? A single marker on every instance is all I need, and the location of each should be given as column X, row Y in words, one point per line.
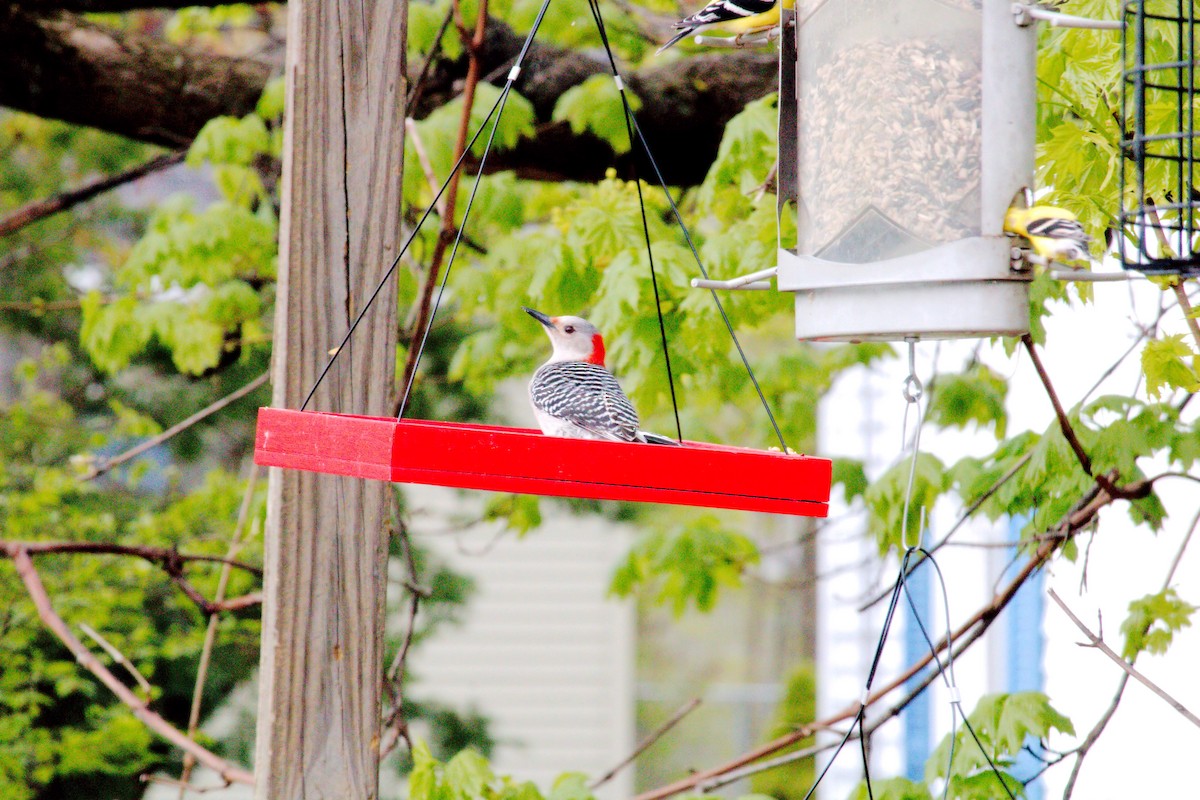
column 597, row 356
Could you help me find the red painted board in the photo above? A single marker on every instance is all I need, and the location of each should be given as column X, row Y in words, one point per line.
column 522, row 460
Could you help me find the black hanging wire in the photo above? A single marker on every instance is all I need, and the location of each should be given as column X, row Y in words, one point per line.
column 633, row 128
column 631, row 120
column 497, row 108
column 947, row 672
column 628, row 112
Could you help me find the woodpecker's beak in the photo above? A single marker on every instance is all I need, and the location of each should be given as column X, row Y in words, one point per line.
column 539, row 316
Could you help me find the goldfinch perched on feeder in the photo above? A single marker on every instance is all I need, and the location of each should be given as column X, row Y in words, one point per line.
column 738, row 16
column 1055, row 233
column 574, row 395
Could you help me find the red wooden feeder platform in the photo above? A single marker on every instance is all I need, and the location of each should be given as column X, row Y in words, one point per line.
column 524, row 461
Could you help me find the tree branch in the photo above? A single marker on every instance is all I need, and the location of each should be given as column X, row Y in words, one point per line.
column 155, row 555
column 653, row 737
column 154, row 91
column 965, row 634
column 64, row 67
column 175, row 429
column 210, row 633
column 1098, row 643
column 152, row 720
column 40, row 209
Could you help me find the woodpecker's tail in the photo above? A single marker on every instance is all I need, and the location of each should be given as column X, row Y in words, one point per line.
column 654, row 438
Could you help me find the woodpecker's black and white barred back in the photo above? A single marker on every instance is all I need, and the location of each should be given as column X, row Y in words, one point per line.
column 574, row 395
column 718, row 11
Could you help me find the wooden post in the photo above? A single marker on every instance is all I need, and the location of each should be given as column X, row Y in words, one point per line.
column 326, row 543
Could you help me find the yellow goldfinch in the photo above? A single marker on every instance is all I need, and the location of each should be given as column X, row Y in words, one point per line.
column 738, row 16
column 1055, row 233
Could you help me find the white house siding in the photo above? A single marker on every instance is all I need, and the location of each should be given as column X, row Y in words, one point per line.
column 542, row 651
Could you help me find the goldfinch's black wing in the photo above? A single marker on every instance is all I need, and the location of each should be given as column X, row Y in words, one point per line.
column 1057, row 228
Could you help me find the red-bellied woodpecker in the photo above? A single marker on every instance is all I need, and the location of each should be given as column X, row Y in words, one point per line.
column 574, row 395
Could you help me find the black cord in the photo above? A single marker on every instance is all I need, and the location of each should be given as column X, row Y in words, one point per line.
column 396, row 262
column 704, row 273
column 628, row 112
column 453, row 252
column 498, row 105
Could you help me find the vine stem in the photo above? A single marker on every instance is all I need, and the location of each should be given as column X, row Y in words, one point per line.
column 448, row 229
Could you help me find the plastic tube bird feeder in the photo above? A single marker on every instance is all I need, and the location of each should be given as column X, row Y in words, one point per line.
column 1159, row 200
column 909, row 125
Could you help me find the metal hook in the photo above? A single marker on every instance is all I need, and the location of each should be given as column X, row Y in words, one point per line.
column 912, row 384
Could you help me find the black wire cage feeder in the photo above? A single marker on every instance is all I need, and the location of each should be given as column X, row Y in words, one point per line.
column 1159, row 230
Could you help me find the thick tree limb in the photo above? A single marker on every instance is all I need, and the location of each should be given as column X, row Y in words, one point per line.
column 147, row 89
column 63, row 67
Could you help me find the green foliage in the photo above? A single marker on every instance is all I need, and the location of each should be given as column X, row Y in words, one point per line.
column 797, row 707
column 1003, row 723
column 469, row 776
column 976, row 395
column 520, row 512
column 1153, row 622
column 690, row 563
column 1170, row 363
column 885, row 499
column 892, row 789
column 60, row 726
column 850, row 475
column 594, row 106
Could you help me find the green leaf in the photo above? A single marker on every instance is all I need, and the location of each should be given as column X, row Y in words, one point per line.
column 849, row 473
column 885, row 499
column 1153, row 621
column 520, row 512
column 230, row 140
column 594, row 106
column 892, row 789
column 273, row 100
column 690, row 563
column 1166, row 364
column 112, row 334
column 976, row 395
column 1003, row 723
column 422, row 781
column 467, row 773
column 570, row 786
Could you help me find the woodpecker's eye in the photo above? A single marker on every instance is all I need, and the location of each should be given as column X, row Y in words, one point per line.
column 569, row 329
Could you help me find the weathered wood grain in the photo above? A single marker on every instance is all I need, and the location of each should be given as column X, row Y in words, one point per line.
column 319, row 705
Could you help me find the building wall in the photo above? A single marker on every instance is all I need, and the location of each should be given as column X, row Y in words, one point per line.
column 543, row 652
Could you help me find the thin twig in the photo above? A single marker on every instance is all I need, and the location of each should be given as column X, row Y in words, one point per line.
column 210, row 634
column 175, row 429
column 120, row 658
column 966, row 634
column 162, row 556
column 1098, row 643
column 1188, row 314
column 86, row 659
column 1064, row 423
column 184, row 788
column 418, row 86
column 40, row 209
column 653, row 737
column 395, row 725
